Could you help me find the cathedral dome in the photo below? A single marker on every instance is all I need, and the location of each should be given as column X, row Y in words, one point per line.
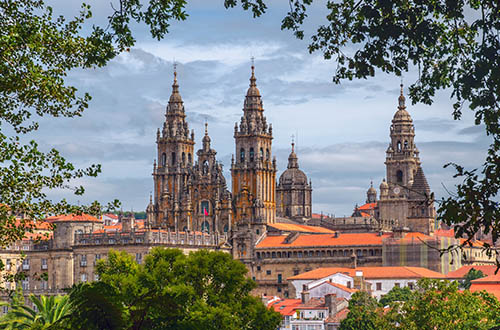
column 293, row 175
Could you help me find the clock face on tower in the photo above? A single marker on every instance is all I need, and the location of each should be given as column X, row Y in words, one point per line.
column 397, row 190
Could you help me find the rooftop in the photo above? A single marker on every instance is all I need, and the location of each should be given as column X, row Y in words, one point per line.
column 370, row 273
column 305, row 240
column 300, row 228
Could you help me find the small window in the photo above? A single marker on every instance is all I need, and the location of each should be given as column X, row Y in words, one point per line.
column 280, row 278
column 349, row 284
column 379, row 286
column 251, row 155
column 399, row 176
column 410, row 285
column 268, row 154
column 190, row 159
column 83, row 260
column 183, row 158
column 296, row 272
column 261, row 155
column 399, row 146
column 279, row 289
column 258, row 268
column 44, row 264
column 398, row 285
column 164, row 159
column 138, row 258
column 268, row 272
column 173, row 158
column 83, row 277
column 242, row 155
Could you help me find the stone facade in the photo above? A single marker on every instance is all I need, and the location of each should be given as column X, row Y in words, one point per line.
column 188, row 195
column 294, row 193
column 406, row 196
column 254, row 170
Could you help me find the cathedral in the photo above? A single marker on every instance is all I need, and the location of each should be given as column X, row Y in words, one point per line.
column 191, row 194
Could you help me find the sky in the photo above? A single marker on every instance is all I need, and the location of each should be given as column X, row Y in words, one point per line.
column 341, row 131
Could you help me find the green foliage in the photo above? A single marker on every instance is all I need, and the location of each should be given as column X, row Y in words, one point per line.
column 364, row 313
column 454, row 45
column 204, row 290
column 440, row 305
column 50, row 313
column 473, row 274
column 394, row 295
column 433, row 305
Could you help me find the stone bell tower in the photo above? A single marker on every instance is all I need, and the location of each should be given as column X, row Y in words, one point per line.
column 405, row 198
column 254, row 170
column 175, row 143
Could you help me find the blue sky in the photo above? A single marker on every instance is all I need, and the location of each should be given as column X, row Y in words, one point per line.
column 343, row 130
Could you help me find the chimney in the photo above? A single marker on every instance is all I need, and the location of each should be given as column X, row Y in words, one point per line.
column 305, row 294
column 128, row 223
column 331, row 304
column 359, row 280
column 354, row 260
column 263, row 298
column 336, row 235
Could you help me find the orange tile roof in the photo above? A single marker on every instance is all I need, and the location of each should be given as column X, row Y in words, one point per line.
column 286, row 307
column 445, row 232
column 308, row 240
column 112, row 216
column 494, row 279
column 493, row 289
column 370, row 272
column 37, row 236
column 338, row 317
column 365, row 215
column 300, row 228
column 340, row 286
column 367, row 206
column 462, row 271
column 73, row 217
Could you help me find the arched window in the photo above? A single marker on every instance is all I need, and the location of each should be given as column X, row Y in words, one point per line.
column 242, row 155
column 251, row 154
column 399, row 176
column 189, row 158
column 267, row 154
column 261, row 155
column 398, row 146
column 205, row 227
column 204, row 208
column 406, row 144
column 226, row 228
column 205, row 167
column 183, row 158
column 173, row 158
column 185, row 228
column 164, row 159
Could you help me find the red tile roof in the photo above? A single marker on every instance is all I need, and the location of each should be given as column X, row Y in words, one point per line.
column 73, row 217
column 370, row 272
column 338, row 317
column 490, row 284
column 112, row 216
column 494, row 279
column 365, row 215
column 286, row 307
column 367, row 206
column 462, row 271
column 306, row 240
column 300, row 228
column 340, row 286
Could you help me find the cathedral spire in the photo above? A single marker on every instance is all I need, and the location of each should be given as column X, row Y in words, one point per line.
column 293, row 161
column 175, row 102
column 401, row 99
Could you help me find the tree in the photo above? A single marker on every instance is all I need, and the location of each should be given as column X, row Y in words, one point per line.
column 473, row 274
column 396, row 294
column 204, row 290
column 453, row 45
column 433, row 305
column 440, row 305
column 364, row 313
column 49, row 314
